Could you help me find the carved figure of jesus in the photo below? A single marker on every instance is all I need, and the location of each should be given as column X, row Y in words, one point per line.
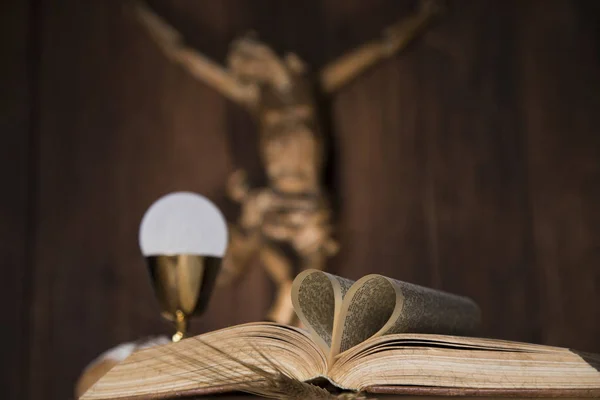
column 280, row 94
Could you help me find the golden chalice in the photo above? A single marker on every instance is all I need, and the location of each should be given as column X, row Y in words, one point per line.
column 183, row 237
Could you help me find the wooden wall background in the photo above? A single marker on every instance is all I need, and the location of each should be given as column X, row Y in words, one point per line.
column 469, row 163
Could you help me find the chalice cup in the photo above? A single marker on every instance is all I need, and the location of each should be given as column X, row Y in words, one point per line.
column 183, row 284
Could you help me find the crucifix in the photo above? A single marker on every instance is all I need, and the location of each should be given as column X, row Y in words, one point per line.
column 293, row 210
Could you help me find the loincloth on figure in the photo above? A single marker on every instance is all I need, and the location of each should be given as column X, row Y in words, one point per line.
column 302, row 223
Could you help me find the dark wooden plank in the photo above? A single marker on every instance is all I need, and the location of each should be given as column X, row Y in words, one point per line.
column 477, row 194
column 561, row 86
column 379, row 170
column 15, row 156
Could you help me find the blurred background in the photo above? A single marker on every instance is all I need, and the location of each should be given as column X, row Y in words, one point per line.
column 469, row 162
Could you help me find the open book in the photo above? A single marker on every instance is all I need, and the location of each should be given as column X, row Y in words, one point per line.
column 374, row 335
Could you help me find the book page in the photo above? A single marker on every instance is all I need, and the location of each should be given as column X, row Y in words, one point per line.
column 425, row 310
column 443, row 361
column 369, row 305
column 235, row 358
column 317, row 298
column 377, row 305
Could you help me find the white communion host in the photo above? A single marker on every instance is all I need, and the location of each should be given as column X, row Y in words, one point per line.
column 183, row 223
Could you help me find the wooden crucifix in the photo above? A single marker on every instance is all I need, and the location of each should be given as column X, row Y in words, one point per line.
column 292, row 210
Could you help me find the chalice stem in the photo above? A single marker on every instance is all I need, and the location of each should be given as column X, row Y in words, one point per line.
column 181, row 325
